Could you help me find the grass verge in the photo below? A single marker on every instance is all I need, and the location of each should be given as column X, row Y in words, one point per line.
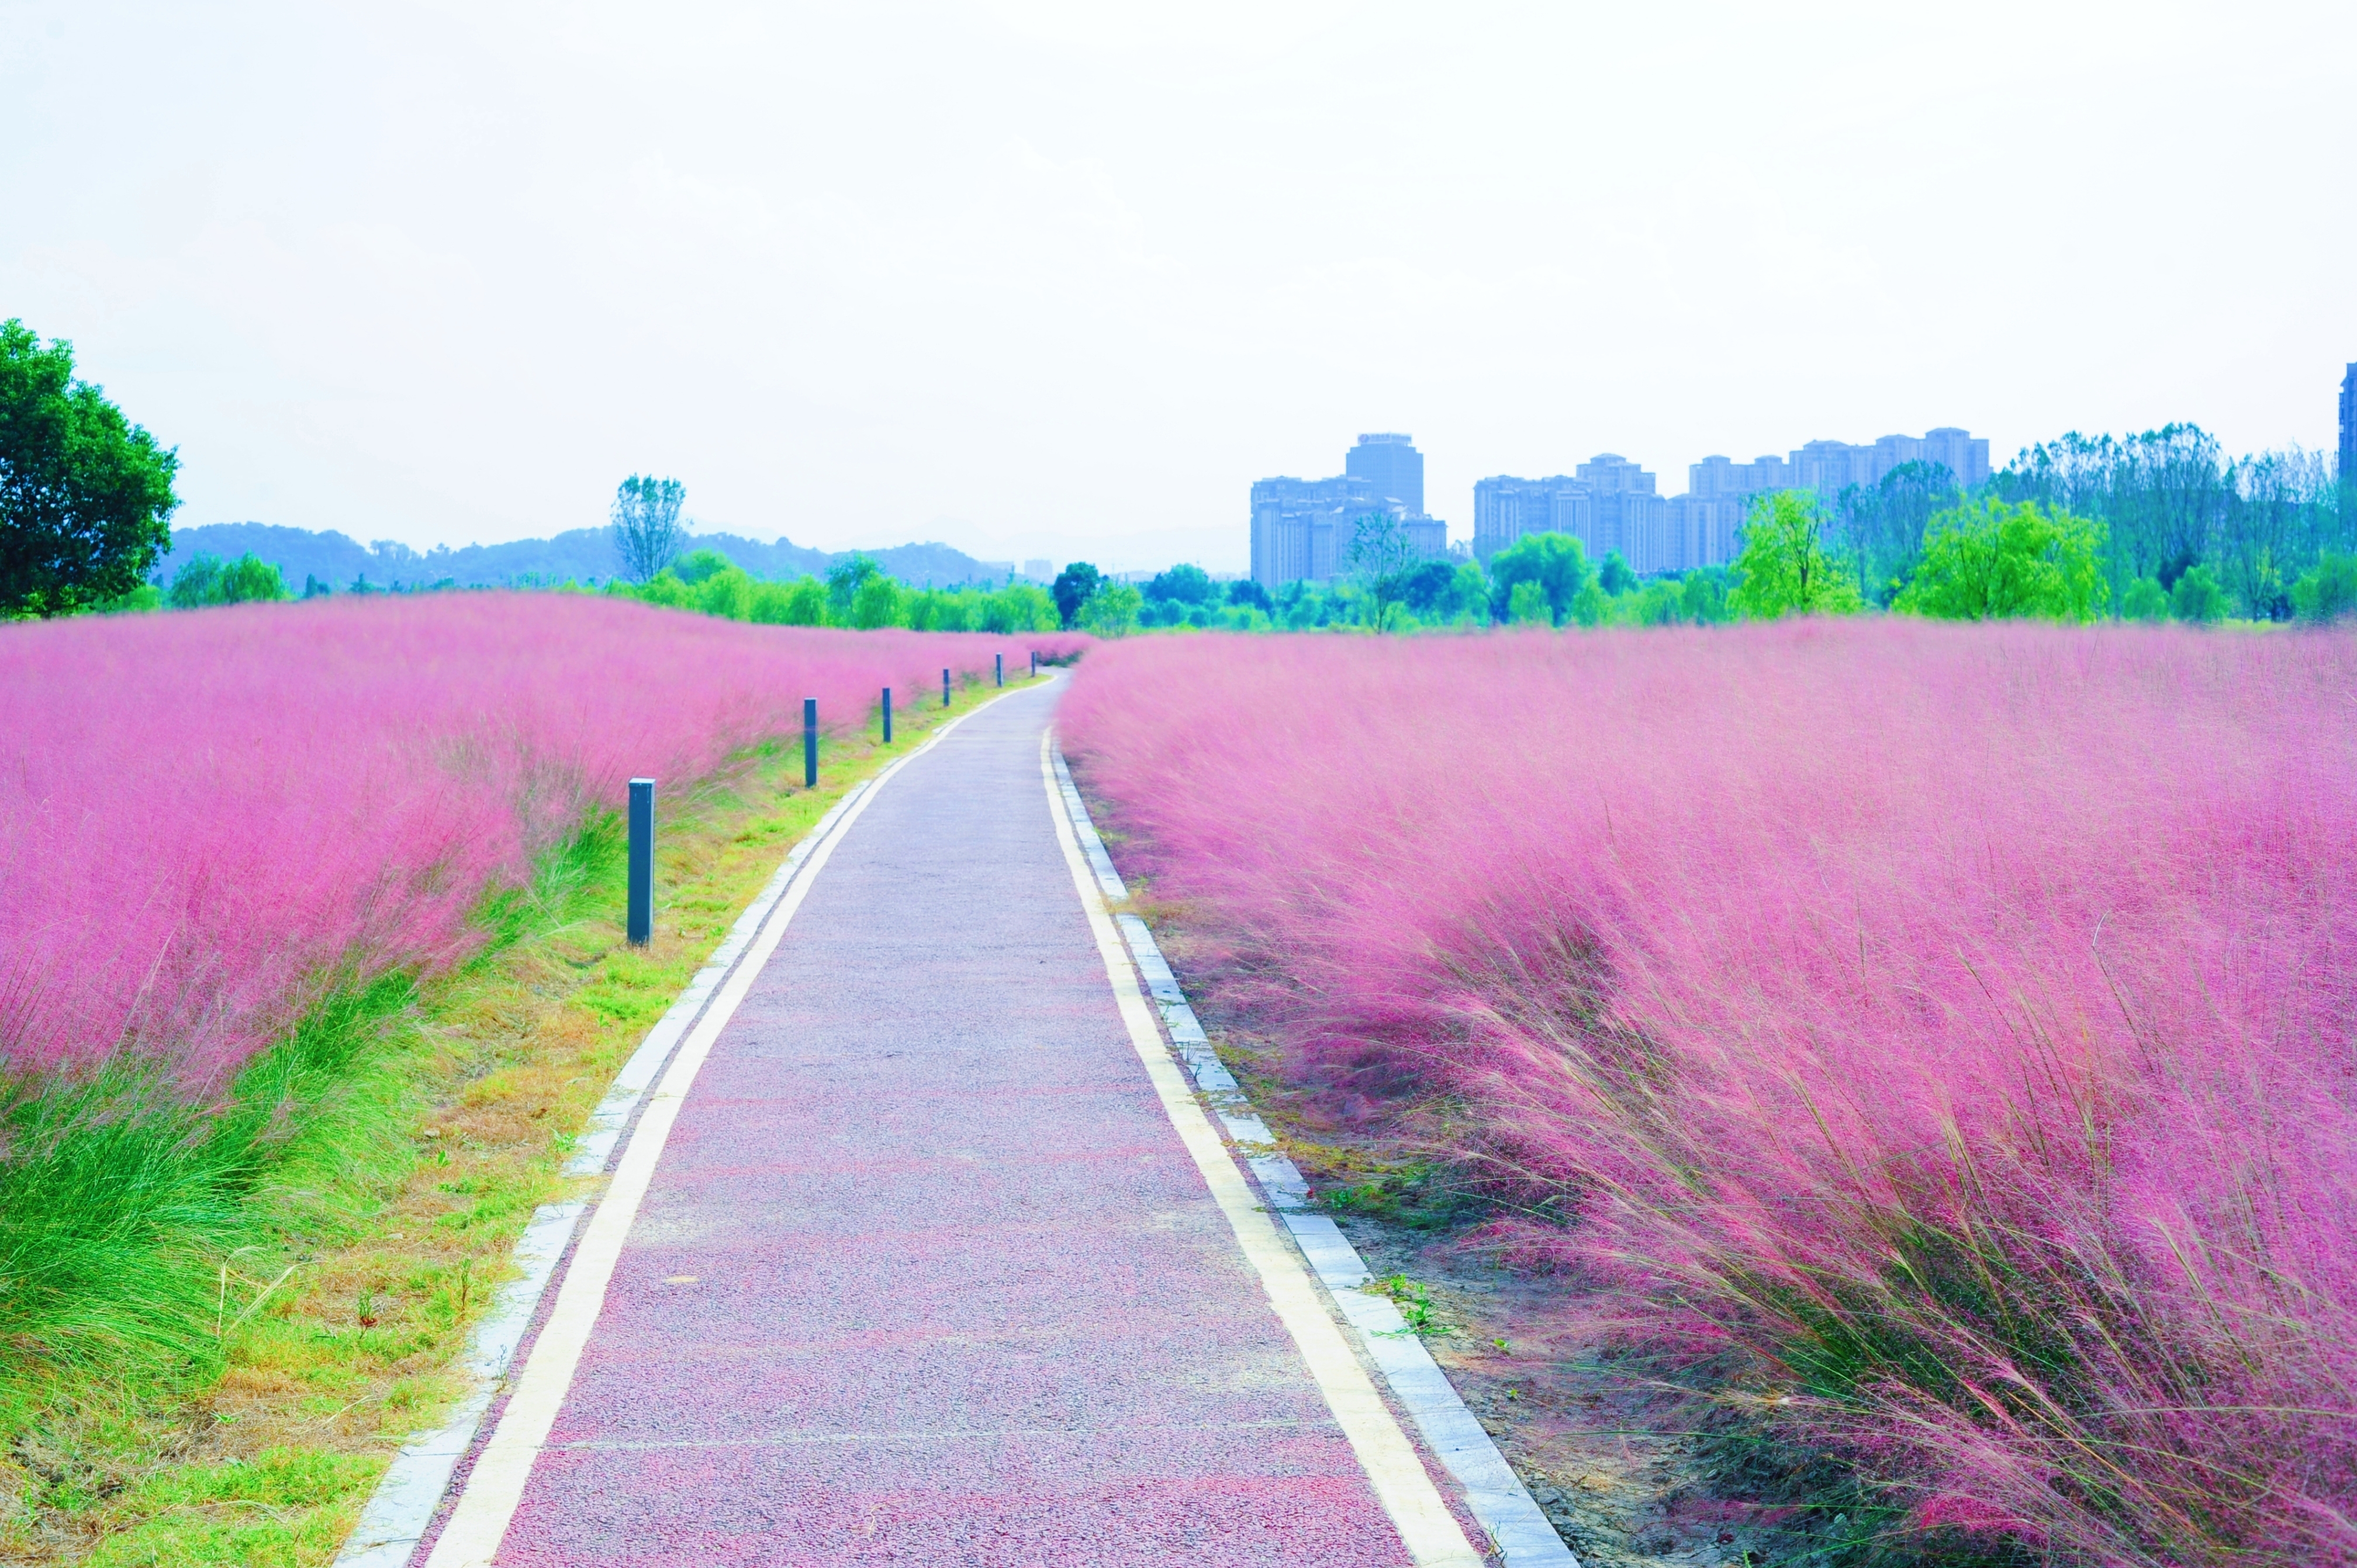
column 219, row 1320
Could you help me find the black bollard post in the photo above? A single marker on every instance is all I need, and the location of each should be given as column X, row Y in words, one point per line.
column 998, row 668
column 639, row 925
column 809, row 743
column 887, row 715
column 1035, row 664
column 945, row 688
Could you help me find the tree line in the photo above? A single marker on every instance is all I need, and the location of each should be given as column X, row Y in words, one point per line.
column 2159, row 525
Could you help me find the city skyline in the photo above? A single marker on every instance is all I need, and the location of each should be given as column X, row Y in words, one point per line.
column 1303, row 529
column 1300, row 528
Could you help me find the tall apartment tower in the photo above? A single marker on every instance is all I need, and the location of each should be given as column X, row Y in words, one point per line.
column 1304, row 528
column 2348, row 427
column 1393, row 465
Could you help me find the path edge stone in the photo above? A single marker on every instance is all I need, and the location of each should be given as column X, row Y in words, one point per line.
column 1500, row 1504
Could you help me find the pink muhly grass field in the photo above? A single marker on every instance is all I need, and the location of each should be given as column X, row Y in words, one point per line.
column 1958, row 1022
column 203, row 814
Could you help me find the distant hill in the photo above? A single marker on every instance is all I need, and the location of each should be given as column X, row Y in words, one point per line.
column 584, row 555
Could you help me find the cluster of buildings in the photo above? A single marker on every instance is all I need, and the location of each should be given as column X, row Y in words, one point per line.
column 1303, row 527
column 1611, row 504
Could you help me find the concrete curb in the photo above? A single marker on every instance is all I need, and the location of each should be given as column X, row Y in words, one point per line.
column 1497, row 1496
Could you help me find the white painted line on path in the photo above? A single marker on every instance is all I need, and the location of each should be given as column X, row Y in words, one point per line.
column 403, row 1504
column 1495, row 1493
column 412, row 1487
column 1427, row 1528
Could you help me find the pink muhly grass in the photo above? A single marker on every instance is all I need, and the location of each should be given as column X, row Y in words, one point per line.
column 203, row 815
column 1961, row 1022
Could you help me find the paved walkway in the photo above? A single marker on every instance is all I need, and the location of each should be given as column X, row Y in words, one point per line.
column 924, row 1273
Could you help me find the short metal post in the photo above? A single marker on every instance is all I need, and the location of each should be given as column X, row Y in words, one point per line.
column 809, row 743
column 945, row 688
column 1035, row 664
column 998, row 672
column 640, row 924
column 887, row 715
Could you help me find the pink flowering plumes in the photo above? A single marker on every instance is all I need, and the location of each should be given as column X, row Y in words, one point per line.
column 204, row 815
column 1958, row 1024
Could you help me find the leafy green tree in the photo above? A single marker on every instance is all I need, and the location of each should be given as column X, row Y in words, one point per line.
column 85, row 495
column 1658, row 603
column 205, row 579
column 1591, row 607
column 1882, row 528
column 2198, row 599
column 1558, row 562
column 1615, row 576
column 2328, row 590
column 876, row 602
column 1785, row 566
column 727, row 592
column 1185, row 585
column 801, row 602
column 1111, row 610
column 1993, row 560
column 698, row 565
column 1527, row 605
column 1075, row 585
column 1429, row 588
column 2146, row 600
column 844, row 581
column 1702, row 598
column 1019, row 607
column 1245, row 593
column 647, row 529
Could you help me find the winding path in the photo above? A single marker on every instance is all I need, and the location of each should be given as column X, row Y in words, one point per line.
column 928, row 1264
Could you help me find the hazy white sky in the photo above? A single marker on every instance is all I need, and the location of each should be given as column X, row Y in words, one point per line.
column 1051, row 274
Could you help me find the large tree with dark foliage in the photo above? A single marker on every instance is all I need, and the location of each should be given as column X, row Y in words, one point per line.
column 1185, row 585
column 85, row 495
column 1074, row 585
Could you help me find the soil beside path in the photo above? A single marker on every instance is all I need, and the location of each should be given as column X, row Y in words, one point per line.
column 925, row 1274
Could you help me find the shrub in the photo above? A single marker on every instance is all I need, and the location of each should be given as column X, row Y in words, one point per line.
column 1186, row 585
column 1953, row 1023
column 205, row 579
column 2326, row 591
column 1111, row 610
column 2198, row 599
column 1556, row 563
column 1992, row 560
column 2146, row 601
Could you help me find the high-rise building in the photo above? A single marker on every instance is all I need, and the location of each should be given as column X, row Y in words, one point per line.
column 1505, row 508
column 2349, row 426
column 1304, row 528
column 1609, row 503
column 1626, row 510
column 1393, row 465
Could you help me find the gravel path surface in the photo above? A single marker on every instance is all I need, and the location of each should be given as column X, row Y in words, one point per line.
column 924, row 1274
